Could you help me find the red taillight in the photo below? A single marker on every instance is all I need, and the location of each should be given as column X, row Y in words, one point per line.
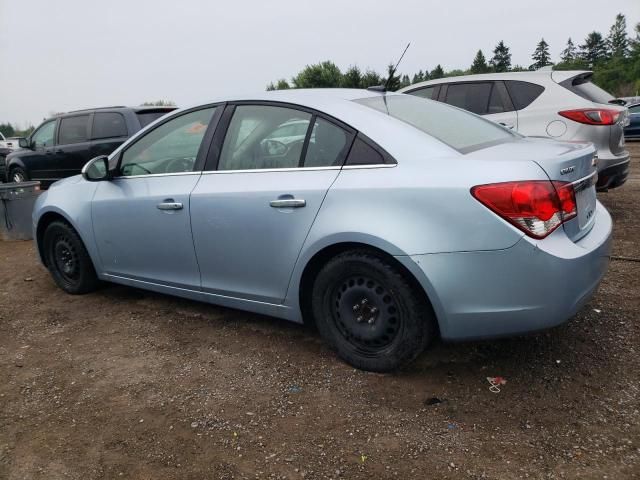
column 592, row 116
column 536, row 207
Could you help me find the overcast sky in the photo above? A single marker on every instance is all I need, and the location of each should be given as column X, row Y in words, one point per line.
column 69, row 54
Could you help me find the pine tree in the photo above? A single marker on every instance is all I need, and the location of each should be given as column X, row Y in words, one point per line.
column 436, row 73
column 479, row 64
column 352, row 78
column 594, row 49
column 569, row 54
column 541, row 57
column 634, row 44
column 418, row 77
column 501, row 60
column 371, row 79
column 405, row 82
column 617, row 41
column 392, row 81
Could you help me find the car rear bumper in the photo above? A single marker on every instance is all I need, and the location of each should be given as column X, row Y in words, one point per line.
column 613, row 174
column 531, row 286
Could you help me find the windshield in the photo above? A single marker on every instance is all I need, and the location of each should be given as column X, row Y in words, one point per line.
column 457, row 128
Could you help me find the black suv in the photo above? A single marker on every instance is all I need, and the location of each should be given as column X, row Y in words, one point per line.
column 61, row 145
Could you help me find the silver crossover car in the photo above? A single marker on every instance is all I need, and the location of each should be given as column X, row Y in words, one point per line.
column 392, row 220
column 564, row 105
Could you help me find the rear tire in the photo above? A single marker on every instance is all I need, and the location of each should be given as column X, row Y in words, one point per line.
column 18, row 174
column 67, row 259
column 370, row 313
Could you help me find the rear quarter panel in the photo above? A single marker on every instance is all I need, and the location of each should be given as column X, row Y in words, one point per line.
column 420, row 206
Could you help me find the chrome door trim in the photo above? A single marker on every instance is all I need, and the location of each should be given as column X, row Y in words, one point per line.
column 260, row 170
column 152, row 175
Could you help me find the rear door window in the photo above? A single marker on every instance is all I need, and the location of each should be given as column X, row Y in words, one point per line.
column 328, row 145
column 74, row 130
column 252, row 141
column 523, row 93
column 473, row 97
column 108, row 125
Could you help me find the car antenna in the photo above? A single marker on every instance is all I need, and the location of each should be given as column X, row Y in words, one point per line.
column 383, row 88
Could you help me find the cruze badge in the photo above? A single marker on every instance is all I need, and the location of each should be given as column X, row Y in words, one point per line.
column 566, row 170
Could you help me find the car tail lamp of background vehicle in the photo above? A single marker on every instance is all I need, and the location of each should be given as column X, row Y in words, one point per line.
column 592, row 116
column 536, row 207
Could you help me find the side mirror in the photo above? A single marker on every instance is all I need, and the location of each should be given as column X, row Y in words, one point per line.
column 97, row 169
column 24, row 143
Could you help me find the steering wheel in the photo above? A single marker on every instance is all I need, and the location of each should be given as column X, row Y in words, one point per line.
column 175, row 165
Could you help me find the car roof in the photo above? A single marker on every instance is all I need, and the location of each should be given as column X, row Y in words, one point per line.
column 536, row 76
column 391, row 134
column 138, row 109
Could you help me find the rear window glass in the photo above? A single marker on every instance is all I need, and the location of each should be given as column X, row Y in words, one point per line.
column 146, row 118
column 583, row 87
column 456, row 128
column 523, row 93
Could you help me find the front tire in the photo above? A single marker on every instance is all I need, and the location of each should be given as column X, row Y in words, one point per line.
column 18, row 174
column 370, row 313
column 67, row 259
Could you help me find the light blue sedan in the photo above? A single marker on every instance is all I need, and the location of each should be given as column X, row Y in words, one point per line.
column 391, row 221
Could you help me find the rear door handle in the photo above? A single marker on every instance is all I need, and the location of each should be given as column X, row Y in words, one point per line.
column 288, row 203
column 170, row 206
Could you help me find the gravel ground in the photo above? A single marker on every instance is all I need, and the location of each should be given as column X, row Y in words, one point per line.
column 124, row 383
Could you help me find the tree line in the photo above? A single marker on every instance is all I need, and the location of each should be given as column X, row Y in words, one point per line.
column 614, row 59
column 9, row 130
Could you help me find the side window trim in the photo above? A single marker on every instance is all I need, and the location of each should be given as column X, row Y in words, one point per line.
column 215, row 149
column 307, row 138
column 504, row 96
column 442, row 94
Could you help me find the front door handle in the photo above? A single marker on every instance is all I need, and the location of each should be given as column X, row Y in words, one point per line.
column 288, row 203
column 510, row 127
column 170, row 205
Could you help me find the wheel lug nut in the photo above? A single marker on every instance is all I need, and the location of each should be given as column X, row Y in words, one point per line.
column 359, row 318
column 356, row 307
column 370, row 321
column 364, row 301
column 374, row 309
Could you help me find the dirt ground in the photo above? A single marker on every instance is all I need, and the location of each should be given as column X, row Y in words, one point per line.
column 124, row 383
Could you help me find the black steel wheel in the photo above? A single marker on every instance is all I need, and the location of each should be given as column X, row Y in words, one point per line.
column 67, row 259
column 370, row 313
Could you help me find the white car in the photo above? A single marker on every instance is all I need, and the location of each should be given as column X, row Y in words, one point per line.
column 11, row 143
column 564, row 105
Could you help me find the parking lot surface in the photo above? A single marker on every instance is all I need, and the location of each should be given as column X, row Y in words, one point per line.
column 124, row 383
